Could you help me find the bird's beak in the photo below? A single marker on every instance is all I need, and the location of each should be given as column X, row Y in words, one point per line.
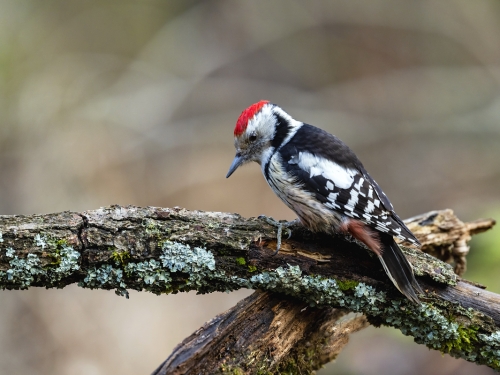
column 238, row 160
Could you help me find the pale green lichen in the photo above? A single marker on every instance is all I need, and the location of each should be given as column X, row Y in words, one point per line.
column 314, row 289
column 40, row 241
column 1, row 238
column 426, row 265
column 425, row 323
column 179, row 257
column 103, row 276
column 198, row 263
column 491, row 351
column 155, row 275
column 151, row 228
column 10, row 252
column 69, row 262
column 23, row 272
column 369, row 293
column 151, row 273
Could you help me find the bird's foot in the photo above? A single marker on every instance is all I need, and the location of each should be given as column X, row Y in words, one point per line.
column 280, row 225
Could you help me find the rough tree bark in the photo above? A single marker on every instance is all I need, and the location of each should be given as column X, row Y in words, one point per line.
column 272, row 332
column 171, row 250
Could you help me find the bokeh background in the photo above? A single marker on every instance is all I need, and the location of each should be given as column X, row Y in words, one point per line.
column 134, row 102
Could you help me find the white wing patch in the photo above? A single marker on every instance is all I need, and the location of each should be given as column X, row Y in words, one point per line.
column 341, row 177
column 369, row 207
column 332, row 198
column 370, row 192
column 351, row 203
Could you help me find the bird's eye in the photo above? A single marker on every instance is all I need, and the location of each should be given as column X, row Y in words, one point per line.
column 252, row 138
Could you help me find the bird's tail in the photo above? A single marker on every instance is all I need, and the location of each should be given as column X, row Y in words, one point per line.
column 398, row 268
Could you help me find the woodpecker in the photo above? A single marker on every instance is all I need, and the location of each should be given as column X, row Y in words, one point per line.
column 321, row 179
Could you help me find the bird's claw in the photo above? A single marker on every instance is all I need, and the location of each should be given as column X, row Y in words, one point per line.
column 280, row 227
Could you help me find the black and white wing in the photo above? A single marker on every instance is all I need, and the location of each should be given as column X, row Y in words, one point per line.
column 337, row 178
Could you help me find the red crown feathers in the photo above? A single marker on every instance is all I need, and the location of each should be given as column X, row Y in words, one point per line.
column 247, row 115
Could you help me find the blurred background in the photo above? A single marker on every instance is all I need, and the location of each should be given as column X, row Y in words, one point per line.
column 134, row 102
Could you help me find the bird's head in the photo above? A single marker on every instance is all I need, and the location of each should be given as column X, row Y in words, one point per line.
column 254, row 133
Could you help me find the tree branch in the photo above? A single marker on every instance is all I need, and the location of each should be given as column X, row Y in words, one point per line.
column 273, row 333
column 171, row 250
